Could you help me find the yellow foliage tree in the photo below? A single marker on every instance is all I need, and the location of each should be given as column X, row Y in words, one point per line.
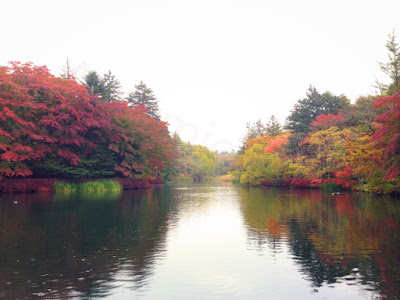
column 328, row 151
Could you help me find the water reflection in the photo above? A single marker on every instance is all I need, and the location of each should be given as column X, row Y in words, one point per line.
column 200, row 242
column 340, row 238
column 63, row 247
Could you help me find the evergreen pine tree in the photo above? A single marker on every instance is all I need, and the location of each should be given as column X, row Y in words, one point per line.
column 111, row 88
column 273, row 126
column 94, row 84
column 392, row 67
column 259, row 128
column 145, row 96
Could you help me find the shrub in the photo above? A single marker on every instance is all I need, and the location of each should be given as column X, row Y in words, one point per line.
column 183, row 179
column 330, row 187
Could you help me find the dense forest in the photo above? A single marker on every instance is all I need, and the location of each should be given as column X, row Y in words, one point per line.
column 57, row 127
column 329, row 142
column 60, row 127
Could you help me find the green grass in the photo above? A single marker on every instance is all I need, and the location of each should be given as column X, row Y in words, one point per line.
column 182, row 180
column 330, row 187
column 207, row 179
column 87, row 187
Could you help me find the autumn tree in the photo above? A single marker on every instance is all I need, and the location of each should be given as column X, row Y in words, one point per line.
column 260, row 166
column 387, row 136
column 145, row 96
column 263, row 159
column 192, row 162
column 363, row 161
column 224, row 163
column 53, row 127
column 326, row 121
column 314, row 104
column 204, row 162
column 253, row 130
column 142, row 144
column 327, row 148
column 46, row 119
column 307, row 109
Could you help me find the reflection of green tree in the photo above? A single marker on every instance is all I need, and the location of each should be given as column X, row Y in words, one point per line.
column 330, row 235
column 76, row 247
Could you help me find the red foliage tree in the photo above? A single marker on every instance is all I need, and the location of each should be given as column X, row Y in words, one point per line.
column 42, row 115
column 142, row 143
column 59, row 124
column 325, row 121
column 277, row 142
column 387, row 134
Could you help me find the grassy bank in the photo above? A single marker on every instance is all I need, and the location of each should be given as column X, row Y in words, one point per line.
column 90, row 186
column 182, row 179
column 188, row 179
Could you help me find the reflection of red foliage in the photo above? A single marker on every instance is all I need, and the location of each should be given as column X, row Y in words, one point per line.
column 300, row 182
column 344, row 205
column 267, row 182
column 316, row 183
column 156, row 180
column 134, row 183
column 274, row 228
column 392, row 223
column 296, row 182
column 26, row 185
column 388, row 283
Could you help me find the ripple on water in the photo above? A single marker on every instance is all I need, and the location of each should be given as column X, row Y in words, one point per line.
column 208, row 242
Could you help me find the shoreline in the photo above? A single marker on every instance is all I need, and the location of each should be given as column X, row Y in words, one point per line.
column 32, row 185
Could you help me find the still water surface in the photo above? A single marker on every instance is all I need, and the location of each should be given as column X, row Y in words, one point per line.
column 200, row 242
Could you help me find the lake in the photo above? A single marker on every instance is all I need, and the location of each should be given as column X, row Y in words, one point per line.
column 205, row 241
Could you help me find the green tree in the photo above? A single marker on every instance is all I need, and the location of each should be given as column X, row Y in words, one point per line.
column 94, row 83
column 307, row 109
column 111, row 88
column 145, row 96
column 314, row 104
column 392, row 67
column 259, row 128
column 259, row 166
column 250, row 133
column 273, row 127
column 361, row 115
column 253, row 131
column 204, row 162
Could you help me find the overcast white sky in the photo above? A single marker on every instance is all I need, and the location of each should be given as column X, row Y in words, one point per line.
column 213, row 64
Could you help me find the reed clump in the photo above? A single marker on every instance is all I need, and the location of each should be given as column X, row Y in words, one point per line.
column 87, row 187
